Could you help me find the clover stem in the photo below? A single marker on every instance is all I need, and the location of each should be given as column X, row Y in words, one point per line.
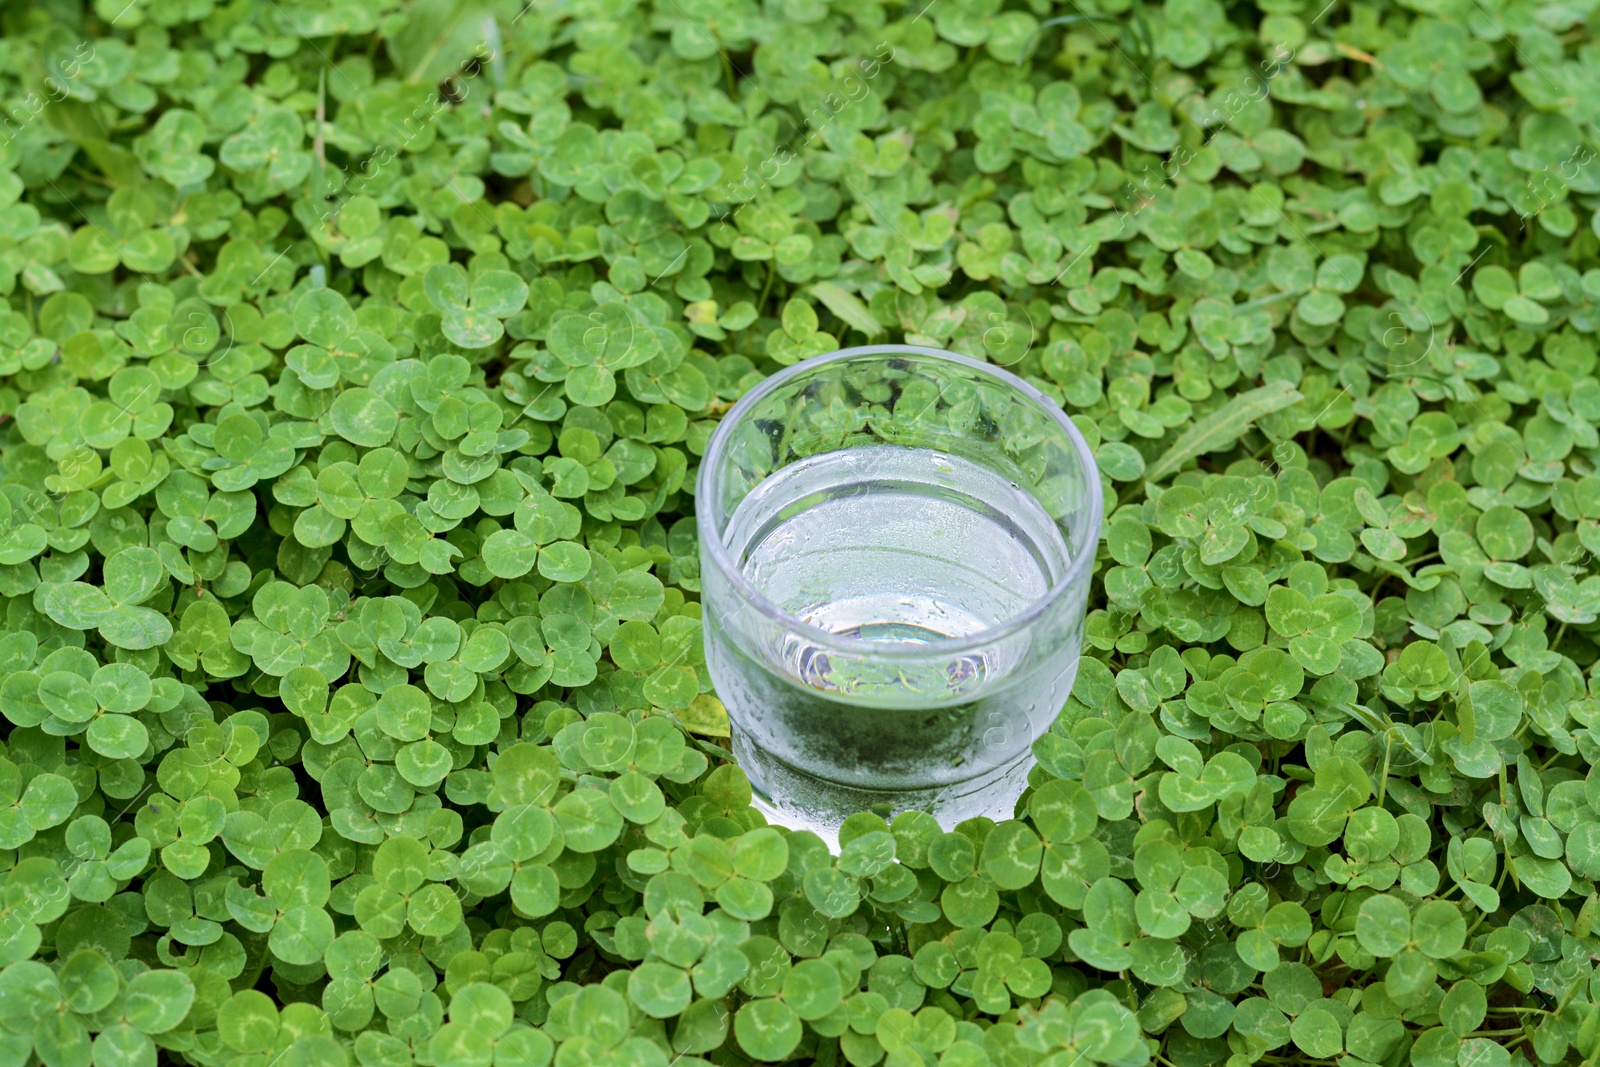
column 1505, row 869
column 259, row 966
column 766, row 290
column 1131, row 488
column 1383, row 782
column 319, row 145
column 88, row 177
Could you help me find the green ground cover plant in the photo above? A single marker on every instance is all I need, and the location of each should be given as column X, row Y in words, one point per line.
column 356, row 360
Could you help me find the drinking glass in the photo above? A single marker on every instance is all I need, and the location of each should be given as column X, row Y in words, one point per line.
column 896, row 545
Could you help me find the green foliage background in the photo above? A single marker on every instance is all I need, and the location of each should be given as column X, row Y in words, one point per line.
column 357, row 360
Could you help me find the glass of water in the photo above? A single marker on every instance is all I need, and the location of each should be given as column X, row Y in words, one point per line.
column 896, row 545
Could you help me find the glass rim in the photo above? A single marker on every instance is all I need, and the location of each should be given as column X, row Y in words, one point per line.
column 709, row 481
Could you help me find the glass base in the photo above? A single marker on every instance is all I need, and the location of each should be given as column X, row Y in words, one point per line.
column 796, row 800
